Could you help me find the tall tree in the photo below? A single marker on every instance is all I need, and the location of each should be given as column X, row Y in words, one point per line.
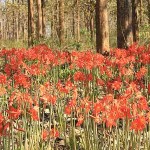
column 148, row 6
column 135, row 23
column 141, row 12
column 30, row 23
column 124, row 23
column 61, row 22
column 39, row 10
column 78, row 20
column 73, row 22
column 102, row 28
column 13, row 31
column 43, row 18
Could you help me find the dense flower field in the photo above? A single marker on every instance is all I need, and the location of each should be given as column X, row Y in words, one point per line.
column 74, row 100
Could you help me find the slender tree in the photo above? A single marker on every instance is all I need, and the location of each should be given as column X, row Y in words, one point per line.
column 30, row 23
column 91, row 21
column 73, row 22
column 135, row 23
column 78, row 20
column 1, row 23
column 61, row 22
column 39, row 10
column 148, row 7
column 124, row 23
column 13, row 16
column 102, row 28
column 141, row 12
column 43, row 18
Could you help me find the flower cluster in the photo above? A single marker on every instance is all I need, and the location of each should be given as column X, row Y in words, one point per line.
column 99, row 89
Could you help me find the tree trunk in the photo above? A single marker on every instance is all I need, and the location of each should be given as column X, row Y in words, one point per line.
column 43, row 18
column 73, row 23
column 17, row 28
column 30, row 23
column 78, row 20
column 135, row 20
column 61, row 22
column 39, row 11
column 1, row 30
column 102, row 28
column 92, row 28
column 91, row 22
column 148, row 11
column 141, row 12
column 124, row 24
column 13, row 25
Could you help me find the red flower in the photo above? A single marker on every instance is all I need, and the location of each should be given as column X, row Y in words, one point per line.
column 68, row 110
column 7, row 69
column 89, row 77
column 96, row 118
column 116, row 85
column 52, row 99
column 98, row 107
column 142, row 103
column 3, row 79
column 21, row 80
column 61, row 88
column 3, row 128
column 109, row 98
column 134, row 109
column 34, row 114
column 1, row 118
column 138, row 124
column 80, row 120
column 54, row 133
column 110, row 122
column 100, row 82
column 72, row 103
column 141, row 73
column 46, row 98
column 79, row 76
column 45, row 134
column 86, row 104
column 13, row 112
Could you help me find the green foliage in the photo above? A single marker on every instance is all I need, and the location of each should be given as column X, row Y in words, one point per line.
column 13, row 43
column 144, row 34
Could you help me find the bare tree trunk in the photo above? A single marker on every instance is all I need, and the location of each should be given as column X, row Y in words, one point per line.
column 53, row 24
column 91, row 22
column 92, row 28
column 78, row 20
column 61, row 22
column 13, row 32
column 141, row 12
column 73, row 23
column 39, row 11
column 102, row 28
column 19, row 20
column 148, row 7
column 30, row 23
column 124, row 24
column 56, row 23
column 1, row 30
column 17, row 28
column 43, row 18
column 135, row 20
column 129, row 33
